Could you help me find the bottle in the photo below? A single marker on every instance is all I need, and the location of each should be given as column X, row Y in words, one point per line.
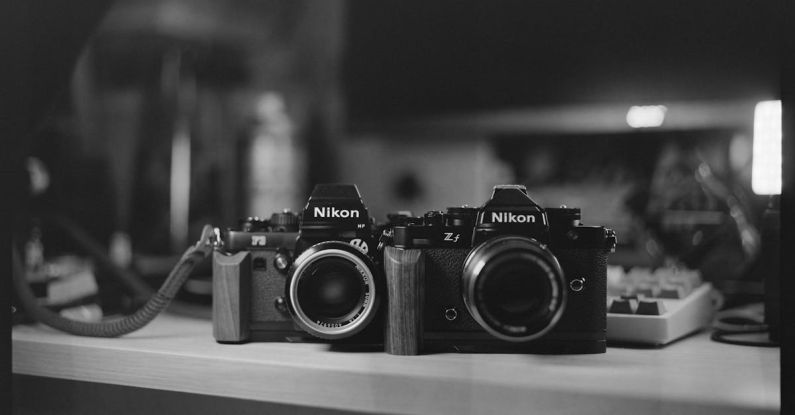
column 273, row 161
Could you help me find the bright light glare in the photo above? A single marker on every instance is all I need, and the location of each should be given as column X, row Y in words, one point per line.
column 766, row 170
column 646, row 116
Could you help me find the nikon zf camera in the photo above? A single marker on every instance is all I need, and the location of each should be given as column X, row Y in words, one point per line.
column 284, row 278
column 509, row 276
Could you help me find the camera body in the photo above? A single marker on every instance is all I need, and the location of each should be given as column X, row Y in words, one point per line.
column 300, row 277
column 507, row 277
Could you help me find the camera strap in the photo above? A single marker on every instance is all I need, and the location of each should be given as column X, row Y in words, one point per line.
column 121, row 325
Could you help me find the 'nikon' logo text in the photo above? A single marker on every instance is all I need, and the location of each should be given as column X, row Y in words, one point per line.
column 332, row 212
column 509, row 217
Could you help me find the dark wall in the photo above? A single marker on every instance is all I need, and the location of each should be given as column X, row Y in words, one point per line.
column 424, row 58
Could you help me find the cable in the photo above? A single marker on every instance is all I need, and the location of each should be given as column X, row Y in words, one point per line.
column 742, row 321
column 122, row 325
column 721, row 337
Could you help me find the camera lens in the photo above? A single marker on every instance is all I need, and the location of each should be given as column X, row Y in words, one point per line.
column 332, row 290
column 513, row 287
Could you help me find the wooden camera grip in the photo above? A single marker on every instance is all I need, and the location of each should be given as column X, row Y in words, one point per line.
column 405, row 280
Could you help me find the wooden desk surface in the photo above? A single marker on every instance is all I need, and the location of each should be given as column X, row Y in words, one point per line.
column 174, row 353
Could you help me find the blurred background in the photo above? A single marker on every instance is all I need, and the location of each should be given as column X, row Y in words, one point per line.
column 650, row 116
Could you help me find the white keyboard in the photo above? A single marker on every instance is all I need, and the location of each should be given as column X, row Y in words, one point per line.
column 656, row 307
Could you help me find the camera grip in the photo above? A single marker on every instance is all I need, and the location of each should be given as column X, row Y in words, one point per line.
column 231, row 296
column 405, row 280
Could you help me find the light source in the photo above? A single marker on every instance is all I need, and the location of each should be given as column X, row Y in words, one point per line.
column 646, row 116
column 766, row 169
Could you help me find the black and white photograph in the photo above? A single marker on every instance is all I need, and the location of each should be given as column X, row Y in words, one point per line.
column 397, row 207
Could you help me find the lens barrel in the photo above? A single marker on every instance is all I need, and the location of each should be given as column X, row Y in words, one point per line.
column 332, row 290
column 514, row 288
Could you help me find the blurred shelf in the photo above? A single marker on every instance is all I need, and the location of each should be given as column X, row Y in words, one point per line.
column 594, row 118
column 179, row 354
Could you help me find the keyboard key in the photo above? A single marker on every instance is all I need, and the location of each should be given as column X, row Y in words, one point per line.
column 614, row 275
column 639, row 276
column 621, row 306
column 650, row 308
column 648, row 292
column 670, row 291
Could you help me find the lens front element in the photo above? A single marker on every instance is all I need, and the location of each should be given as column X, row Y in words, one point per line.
column 513, row 287
column 331, row 290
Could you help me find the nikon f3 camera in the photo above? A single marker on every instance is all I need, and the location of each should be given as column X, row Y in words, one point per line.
column 509, row 276
column 294, row 278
